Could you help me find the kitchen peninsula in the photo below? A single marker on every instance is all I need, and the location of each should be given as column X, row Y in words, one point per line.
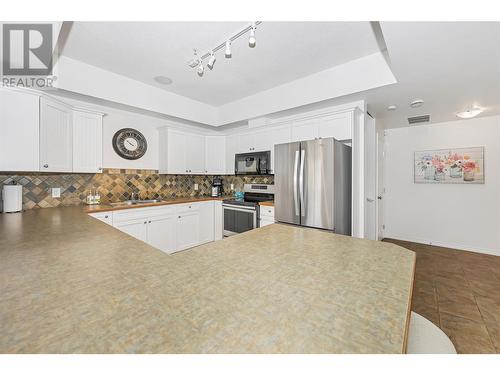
column 72, row 284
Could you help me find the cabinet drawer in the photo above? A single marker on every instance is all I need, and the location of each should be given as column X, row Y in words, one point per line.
column 188, row 207
column 267, row 211
column 106, row 217
column 138, row 213
column 265, row 222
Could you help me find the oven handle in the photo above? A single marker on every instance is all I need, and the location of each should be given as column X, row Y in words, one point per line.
column 237, row 208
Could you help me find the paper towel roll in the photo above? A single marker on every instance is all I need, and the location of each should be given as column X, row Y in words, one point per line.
column 12, row 198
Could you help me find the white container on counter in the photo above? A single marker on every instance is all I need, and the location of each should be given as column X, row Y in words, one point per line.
column 12, row 196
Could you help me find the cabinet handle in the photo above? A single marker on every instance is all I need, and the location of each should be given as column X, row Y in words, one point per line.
column 149, row 221
column 179, row 217
column 45, row 165
column 189, row 206
column 145, row 222
column 106, row 216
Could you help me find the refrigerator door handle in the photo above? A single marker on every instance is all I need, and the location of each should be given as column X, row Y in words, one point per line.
column 295, row 171
column 301, row 181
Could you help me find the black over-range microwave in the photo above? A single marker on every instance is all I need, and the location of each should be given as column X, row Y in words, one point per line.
column 253, row 163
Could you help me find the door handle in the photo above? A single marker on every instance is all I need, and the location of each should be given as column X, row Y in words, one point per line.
column 295, row 172
column 379, row 197
column 301, row 182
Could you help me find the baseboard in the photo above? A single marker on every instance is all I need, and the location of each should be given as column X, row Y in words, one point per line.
column 450, row 245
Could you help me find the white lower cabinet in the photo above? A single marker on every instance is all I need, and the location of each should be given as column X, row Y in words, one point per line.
column 266, row 216
column 169, row 228
column 136, row 228
column 188, row 230
column 161, row 232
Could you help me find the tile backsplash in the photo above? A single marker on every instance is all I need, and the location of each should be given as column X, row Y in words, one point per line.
column 116, row 185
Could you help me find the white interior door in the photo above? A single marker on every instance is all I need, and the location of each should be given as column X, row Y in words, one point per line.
column 380, row 184
column 371, row 158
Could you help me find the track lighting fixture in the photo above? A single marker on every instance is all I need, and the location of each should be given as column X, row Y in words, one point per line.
column 251, row 40
column 197, row 61
column 211, row 61
column 227, row 52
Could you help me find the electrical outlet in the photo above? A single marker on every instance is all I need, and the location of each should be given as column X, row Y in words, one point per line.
column 56, row 192
column 232, row 186
column 195, row 186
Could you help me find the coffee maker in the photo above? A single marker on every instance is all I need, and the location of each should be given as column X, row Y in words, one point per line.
column 217, row 187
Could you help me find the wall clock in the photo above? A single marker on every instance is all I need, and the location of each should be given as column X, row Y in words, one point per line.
column 129, row 143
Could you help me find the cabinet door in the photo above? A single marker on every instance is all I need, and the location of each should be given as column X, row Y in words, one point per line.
column 188, row 230
column 231, row 148
column 87, row 142
column 19, row 131
column 215, row 155
column 162, row 233
column 195, row 154
column 176, row 153
column 265, row 140
column 105, row 217
column 56, row 137
column 305, row 130
column 337, row 126
column 246, row 143
column 206, row 222
column 136, row 228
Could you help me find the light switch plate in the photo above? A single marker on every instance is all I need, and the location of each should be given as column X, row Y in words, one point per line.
column 195, row 186
column 56, row 192
column 232, row 186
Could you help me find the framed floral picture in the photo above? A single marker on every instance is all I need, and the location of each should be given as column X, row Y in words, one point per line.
column 450, row 166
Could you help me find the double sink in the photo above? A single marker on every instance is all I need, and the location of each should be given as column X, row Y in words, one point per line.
column 131, row 202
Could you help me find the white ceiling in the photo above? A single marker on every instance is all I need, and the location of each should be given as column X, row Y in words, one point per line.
column 450, row 65
column 285, row 51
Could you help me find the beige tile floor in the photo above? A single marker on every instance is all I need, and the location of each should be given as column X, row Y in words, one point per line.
column 460, row 292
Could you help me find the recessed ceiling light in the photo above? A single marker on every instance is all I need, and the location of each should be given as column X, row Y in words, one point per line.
column 392, row 107
column 163, row 80
column 470, row 113
column 416, row 103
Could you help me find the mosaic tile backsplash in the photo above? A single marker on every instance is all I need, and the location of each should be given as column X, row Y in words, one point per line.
column 116, row 185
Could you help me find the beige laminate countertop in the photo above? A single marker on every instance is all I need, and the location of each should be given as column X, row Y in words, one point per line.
column 71, row 284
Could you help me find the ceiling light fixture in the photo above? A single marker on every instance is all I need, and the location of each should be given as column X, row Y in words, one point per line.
column 416, row 103
column 211, row 61
column 470, row 113
column 251, row 40
column 227, row 52
column 392, row 107
column 200, row 69
column 197, row 60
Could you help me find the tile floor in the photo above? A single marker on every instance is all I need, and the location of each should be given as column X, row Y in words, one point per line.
column 460, row 292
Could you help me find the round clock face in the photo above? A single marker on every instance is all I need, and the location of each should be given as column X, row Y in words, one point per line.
column 129, row 143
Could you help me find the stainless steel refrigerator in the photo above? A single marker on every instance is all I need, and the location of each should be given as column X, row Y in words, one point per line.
column 313, row 184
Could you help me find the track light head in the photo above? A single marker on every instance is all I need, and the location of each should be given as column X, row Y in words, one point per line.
column 251, row 40
column 211, row 61
column 200, row 69
column 227, row 52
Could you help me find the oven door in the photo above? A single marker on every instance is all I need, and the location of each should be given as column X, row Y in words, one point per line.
column 238, row 219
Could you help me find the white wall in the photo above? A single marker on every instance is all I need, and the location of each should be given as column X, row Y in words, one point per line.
column 453, row 215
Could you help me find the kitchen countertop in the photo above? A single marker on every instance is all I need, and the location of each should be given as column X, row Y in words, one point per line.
column 72, row 284
column 267, row 203
column 108, row 207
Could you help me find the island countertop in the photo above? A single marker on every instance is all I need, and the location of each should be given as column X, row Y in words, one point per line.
column 71, row 284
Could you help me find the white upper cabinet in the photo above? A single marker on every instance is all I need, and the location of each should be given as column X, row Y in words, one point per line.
column 176, row 153
column 56, row 136
column 231, row 149
column 19, row 131
column 338, row 126
column 215, row 155
column 87, row 142
column 195, row 154
column 185, row 153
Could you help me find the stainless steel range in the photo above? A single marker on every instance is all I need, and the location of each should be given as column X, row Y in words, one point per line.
column 241, row 215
